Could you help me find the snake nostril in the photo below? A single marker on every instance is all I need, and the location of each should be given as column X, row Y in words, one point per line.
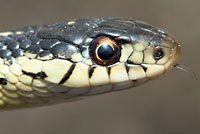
column 158, row 53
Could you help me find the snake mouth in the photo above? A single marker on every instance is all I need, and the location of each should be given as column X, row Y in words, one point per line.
column 174, row 58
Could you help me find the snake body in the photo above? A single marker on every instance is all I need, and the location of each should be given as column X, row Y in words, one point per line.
column 47, row 64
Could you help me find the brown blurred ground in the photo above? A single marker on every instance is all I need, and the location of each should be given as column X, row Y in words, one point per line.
column 169, row 105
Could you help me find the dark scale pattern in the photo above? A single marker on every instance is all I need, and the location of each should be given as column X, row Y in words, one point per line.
column 62, row 40
column 3, row 81
column 44, row 54
column 5, row 53
column 48, row 44
column 91, row 71
column 68, row 74
column 19, row 38
column 41, row 75
column 34, row 40
column 17, row 52
column 12, row 44
column 25, row 43
column 63, row 50
column 2, row 46
column 34, row 49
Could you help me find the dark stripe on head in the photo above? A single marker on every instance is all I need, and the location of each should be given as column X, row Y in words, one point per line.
column 127, row 67
column 30, row 74
column 144, row 68
column 108, row 70
column 68, row 74
column 3, row 81
column 41, row 75
column 91, row 70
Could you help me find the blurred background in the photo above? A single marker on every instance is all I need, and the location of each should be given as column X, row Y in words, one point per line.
column 168, row 105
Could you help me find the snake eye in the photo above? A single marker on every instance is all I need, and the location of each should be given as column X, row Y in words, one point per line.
column 158, row 53
column 104, row 51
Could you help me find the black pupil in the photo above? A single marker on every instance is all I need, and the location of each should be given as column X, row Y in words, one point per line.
column 158, row 54
column 105, row 52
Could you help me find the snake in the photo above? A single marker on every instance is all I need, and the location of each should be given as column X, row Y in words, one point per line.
column 53, row 63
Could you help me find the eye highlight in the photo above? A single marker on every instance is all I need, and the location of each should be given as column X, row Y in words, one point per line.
column 104, row 51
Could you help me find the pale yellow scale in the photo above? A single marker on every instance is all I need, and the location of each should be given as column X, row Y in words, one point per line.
column 4, row 69
column 15, row 69
column 139, row 46
column 24, row 87
column 80, row 77
column 55, row 69
column 33, row 66
column 127, row 50
column 10, row 87
column 100, row 76
column 10, row 94
column 11, row 78
column 40, row 83
column 154, row 71
column 136, row 57
column 148, row 56
column 115, row 76
column 136, row 72
column 25, row 79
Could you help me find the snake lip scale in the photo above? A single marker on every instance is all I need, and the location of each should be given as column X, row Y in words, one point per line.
column 49, row 64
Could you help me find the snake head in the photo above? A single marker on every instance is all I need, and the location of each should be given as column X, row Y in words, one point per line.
column 131, row 52
column 47, row 64
column 102, row 55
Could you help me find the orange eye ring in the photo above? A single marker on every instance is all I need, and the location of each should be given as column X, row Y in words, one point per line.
column 104, row 51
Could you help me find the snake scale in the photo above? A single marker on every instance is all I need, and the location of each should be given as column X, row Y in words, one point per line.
column 48, row 64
